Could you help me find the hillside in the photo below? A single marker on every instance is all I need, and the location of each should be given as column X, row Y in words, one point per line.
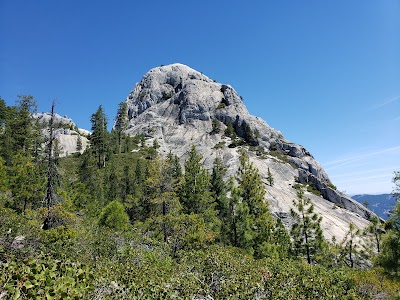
column 180, row 107
column 200, row 201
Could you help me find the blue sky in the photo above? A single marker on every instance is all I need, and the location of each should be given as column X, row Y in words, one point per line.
column 324, row 73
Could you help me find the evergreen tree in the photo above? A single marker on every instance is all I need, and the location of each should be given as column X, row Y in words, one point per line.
column 230, row 130
column 125, row 183
column 375, row 230
column 3, row 178
column 350, row 249
column 99, row 136
column 79, row 146
column 241, row 233
column 216, row 126
column 113, row 216
column 27, row 183
column 306, row 232
column 161, row 189
column 255, row 230
column 176, row 167
column 52, row 159
column 281, row 240
column 195, row 184
column 121, row 122
column 22, row 124
column 219, row 191
column 111, row 182
column 195, row 195
column 270, row 178
column 90, row 175
column 18, row 131
column 389, row 256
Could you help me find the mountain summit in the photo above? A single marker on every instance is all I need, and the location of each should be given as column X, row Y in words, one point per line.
column 181, row 107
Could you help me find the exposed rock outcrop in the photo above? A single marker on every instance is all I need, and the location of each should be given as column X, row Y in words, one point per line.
column 66, row 132
column 181, row 107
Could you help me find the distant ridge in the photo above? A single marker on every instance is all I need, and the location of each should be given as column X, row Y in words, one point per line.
column 380, row 204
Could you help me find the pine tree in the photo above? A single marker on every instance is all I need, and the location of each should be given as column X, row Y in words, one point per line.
column 90, row 175
column 350, row 249
column 27, row 183
column 99, row 136
column 375, row 230
column 79, row 146
column 270, row 178
column 52, row 171
column 113, row 216
column 111, row 182
column 195, row 195
column 121, row 122
column 218, row 186
column 256, row 229
column 161, row 189
column 3, row 178
column 230, row 130
column 176, row 167
column 216, row 126
column 306, row 232
column 389, row 256
column 22, row 124
column 195, row 183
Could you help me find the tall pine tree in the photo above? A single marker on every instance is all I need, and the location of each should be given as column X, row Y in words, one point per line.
column 99, row 136
column 306, row 232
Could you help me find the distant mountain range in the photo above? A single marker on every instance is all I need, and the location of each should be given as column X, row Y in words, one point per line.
column 379, row 204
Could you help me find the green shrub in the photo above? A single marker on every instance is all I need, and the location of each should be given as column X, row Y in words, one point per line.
column 114, row 216
column 220, row 145
column 45, row 278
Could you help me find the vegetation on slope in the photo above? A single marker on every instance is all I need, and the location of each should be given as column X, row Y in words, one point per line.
column 134, row 225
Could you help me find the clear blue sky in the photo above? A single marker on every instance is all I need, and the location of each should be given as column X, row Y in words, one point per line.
column 324, row 73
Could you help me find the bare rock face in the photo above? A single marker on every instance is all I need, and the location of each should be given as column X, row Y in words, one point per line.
column 181, row 107
column 66, row 132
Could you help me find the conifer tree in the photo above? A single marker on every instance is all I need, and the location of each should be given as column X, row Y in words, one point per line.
column 121, row 122
column 161, row 188
column 389, row 256
column 230, row 130
column 306, row 232
column 113, row 216
column 52, row 171
column 176, row 167
column 375, row 230
column 22, row 124
column 240, row 223
column 219, row 191
column 350, row 249
column 218, row 186
column 270, row 178
column 90, row 175
column 27, row 183
column 195, row 184
column 99, row 136
column 79, row 146
column 255, row 230
column 3, row 178
column 194, row 194
column 111, row 182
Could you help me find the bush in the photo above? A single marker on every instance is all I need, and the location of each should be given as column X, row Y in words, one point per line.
column 44, row 278
column 114, row 216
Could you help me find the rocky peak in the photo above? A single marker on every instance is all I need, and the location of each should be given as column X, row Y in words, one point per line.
column 181, row 107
